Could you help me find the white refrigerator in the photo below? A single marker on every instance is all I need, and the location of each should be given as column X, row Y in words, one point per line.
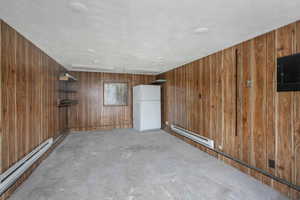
column 146, row 107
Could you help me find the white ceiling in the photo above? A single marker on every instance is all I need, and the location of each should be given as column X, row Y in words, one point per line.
column 142, row 36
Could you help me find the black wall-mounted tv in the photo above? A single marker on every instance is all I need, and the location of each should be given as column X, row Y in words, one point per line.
column 288, row 73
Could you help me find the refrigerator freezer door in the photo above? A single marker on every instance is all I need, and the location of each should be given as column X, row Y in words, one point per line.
column 146, row 93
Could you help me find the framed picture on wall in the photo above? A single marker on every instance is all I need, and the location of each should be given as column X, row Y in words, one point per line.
column 115, row 94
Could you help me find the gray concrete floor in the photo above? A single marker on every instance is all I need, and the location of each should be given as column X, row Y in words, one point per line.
column 124, row 164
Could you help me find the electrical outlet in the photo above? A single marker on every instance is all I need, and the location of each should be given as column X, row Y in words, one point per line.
column 272, row 164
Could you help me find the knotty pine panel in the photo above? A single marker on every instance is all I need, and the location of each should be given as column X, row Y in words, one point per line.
column 29, row 94
column 253, row 123
column 90, row 113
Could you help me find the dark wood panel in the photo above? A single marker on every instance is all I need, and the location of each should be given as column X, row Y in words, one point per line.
column 229, row 100
column 90, row 113
column 1, row 120
column 284, row 42
column 233, row 100
column 296, row 139
column 29, row 92
column 22, row 87
column 245, row 105
column 8, row 96
column 271, row 99
column 258, row 93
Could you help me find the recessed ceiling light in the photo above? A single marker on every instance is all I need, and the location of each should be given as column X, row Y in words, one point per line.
column 201, row 30
column 96, row 61
column 78, row 7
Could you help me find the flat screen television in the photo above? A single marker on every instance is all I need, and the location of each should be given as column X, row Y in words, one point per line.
column 288, row 73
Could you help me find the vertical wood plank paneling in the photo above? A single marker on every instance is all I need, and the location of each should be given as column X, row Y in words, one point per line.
column 30, row 104
column 268, row 122
column 182, row 91
column 187, row 93
column 213, row 97
column 8, row 96
column 1, row 109
column 296, row 156
column 195, row 94
column 200, row 110
column 271, row 99
column 252, row 122
column 29, row 92
column 285, row 110
column 22, row 125
column 29, row 88
column 245, row 94
column 206, row 108
column 259, row 100
column 220, row 103
column 90, row 113
column 239, row 101
column 175, row 93
column 172, row 102
column 229, row 100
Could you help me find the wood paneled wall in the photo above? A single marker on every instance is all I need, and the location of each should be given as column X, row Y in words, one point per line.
column 254, row 123
column 29, row 93
column 90, row 114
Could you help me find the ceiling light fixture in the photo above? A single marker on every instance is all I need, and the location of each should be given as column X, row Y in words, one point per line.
column 89, row 66
column 91, row 50
column 96, row 61
column 78, row 7
column 201, row 30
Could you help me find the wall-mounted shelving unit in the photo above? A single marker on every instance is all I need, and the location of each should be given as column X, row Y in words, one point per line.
column 67, row 77
column 67, row 97
column 67, row 102
column 67, row 90
column 158, row 81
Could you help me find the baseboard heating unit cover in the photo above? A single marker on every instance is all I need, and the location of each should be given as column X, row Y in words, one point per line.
column 193, row 136
column 10, row 176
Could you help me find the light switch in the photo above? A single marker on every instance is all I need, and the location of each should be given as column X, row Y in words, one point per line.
column 249, row 83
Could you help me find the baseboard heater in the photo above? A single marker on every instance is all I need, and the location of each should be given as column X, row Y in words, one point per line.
column 193, row 136
column 210, row 144
column 10, row 176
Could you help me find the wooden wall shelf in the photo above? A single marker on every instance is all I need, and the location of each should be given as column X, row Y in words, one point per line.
column 67, row 77
column 67, row 102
